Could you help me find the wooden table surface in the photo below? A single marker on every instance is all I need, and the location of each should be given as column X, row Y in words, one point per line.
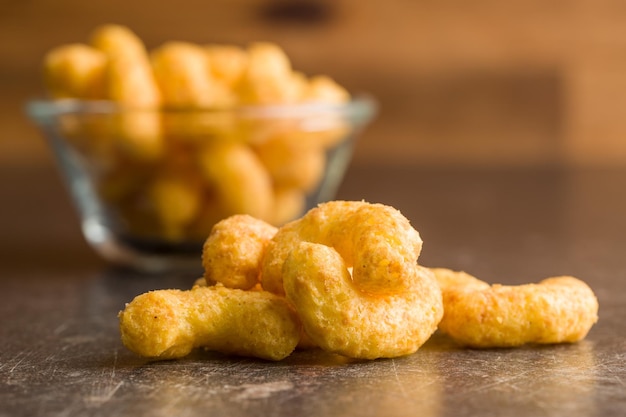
column 61, row 352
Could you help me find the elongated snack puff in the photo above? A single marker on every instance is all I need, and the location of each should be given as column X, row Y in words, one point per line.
column 168, row 324
column 556, row 310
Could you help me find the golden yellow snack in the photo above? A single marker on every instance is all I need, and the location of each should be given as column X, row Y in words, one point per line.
column 376, row 240
column 129, row 76
column 169, row 324
column 175, row 201
column 268, row 78
column 78, row 71
column 207, row 101
column 341, row 318
column 292, row 163
column 232, row 253
column 228, row 63
column 75, row 71
column 333, row 130
column 183, row 73
column 129, row 81
column 138, row 135
column 556, row 310
column 90, row 135
column 267, row 60
column 196, row 127
column 289, row 203
column 449, row 279
column 242, row 185
column 117, row 40
column 324, row 89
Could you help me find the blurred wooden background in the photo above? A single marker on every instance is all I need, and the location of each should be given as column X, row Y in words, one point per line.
column 481, row 83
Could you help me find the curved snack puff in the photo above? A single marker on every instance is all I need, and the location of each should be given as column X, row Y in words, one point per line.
column 449, row 279
column 140, row 135
column 232, row 253
column 175, row 201
column 117, row 40
column 75, row 71
column 228, row 63
column 292, row 163
column 269, row 78
column 241, row 182
column 341, row 318
column 194, row 128
column 324, row 89
column 169, row 324
column 183, row 73
column 376, row 240
column 130, row 80
column 289, row 203
column 267, row 60
column 131, row 83
column 556, row 310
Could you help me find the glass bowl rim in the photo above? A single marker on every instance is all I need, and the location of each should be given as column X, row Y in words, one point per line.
column 360, row 108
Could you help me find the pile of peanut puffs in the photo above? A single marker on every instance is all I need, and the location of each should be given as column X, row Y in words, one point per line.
column 183, row 135
column 344, row 278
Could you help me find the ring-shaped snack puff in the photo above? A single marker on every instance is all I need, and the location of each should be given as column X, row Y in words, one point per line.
column 376, row 240
column 341, row 318
column 476, row 314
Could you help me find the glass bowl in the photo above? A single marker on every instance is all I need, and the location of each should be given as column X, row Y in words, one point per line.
column 149, row 184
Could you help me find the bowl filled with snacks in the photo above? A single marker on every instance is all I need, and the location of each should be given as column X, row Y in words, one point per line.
column 156, row 146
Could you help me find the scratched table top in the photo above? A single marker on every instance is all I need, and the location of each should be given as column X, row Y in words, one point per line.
column 61, row 352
